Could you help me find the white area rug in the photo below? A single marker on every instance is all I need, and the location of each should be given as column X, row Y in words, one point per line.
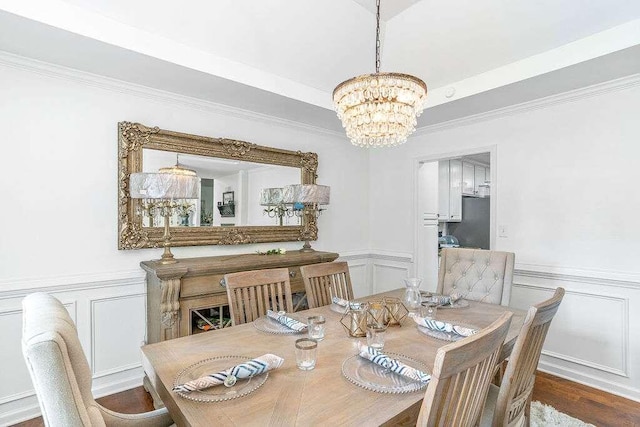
column 547, row 416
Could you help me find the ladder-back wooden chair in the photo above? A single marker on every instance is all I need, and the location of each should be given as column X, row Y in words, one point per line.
column 322, row 281
column 252, row 293
column 462, row 373
column 510, row 404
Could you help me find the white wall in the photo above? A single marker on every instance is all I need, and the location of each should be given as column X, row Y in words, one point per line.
column 565, row 183
column 58, row 187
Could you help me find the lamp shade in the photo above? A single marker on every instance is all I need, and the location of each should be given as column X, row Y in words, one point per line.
column 308, row 194
column 144, row 185
column 270, row 196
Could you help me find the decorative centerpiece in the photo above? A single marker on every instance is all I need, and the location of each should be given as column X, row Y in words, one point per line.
column 355, row 319
column 394, row 311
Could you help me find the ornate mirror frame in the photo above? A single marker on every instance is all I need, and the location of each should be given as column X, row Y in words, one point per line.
column 133, row 137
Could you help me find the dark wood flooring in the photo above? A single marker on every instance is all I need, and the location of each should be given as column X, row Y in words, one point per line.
column 586, row 403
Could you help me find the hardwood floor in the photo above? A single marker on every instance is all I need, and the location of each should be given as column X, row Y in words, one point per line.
column 586, row 403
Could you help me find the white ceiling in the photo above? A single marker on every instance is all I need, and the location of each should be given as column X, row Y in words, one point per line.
column 284, row 57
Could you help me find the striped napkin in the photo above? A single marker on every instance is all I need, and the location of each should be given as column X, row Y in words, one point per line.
column 439, row 299
column 437, row 325
column 248, row 369
column 393, row 365
column 345, row 303
column 287, row 321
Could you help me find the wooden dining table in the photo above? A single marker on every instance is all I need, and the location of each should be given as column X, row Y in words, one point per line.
column 322, row 396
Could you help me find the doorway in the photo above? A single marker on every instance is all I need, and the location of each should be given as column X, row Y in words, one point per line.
column 455, row 200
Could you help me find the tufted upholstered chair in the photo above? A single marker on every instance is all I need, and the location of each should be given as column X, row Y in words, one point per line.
column 478, row 275
column 60, row 371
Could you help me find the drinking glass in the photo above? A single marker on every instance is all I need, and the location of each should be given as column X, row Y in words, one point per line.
column 316, row 327
column 375, row 336
column 428, row 310
column 306, row 353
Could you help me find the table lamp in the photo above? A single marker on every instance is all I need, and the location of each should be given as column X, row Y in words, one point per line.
column 165, row 190
column 275, row 207
column 309, row 197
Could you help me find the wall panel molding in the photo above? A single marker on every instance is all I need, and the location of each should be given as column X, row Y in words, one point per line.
column 93, row 303
column 22, row 287
column 581, row 276
column 623, row 328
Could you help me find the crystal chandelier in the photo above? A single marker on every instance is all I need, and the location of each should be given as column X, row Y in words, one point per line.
column 380, row 109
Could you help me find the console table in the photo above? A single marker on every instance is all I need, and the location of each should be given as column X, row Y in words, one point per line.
column 176, row 293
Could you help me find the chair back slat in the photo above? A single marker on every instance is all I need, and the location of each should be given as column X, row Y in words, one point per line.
column 461, row 377
column 324, row 280
column 514, row 397
column 252, row 293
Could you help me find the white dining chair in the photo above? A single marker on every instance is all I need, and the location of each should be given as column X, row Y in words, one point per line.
column 476, row 274
column 60, row 372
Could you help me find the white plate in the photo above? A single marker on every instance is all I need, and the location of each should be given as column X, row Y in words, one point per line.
column 272, row 326
column 368, row 375
column 461, row 303
column 338, row 308
column 219, row 393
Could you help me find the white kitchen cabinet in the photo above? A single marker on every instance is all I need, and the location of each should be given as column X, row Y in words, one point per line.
column 450, row 191
column 468, row 179
column 479, row 178
column 455, row 190
column 487, row 174
column 443, row 190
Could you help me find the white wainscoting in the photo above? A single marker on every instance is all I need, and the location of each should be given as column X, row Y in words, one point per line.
column 378, row 271
column 109, row 311
column 591, row 341
column 595, row 333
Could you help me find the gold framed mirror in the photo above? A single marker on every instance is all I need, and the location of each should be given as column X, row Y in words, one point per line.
column 140, row 146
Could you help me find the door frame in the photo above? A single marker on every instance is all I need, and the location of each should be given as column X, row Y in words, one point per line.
column 493, row 159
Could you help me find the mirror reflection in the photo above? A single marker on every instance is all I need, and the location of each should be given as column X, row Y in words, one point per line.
column 231, row 191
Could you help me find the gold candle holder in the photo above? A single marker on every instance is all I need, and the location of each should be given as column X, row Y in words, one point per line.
column 394, row 311
column 376, row 314
column 355, row 320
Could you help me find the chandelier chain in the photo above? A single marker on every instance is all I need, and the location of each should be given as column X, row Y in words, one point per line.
column 377, row 36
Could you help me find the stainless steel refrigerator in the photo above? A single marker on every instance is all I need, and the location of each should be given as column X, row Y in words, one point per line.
column 473, row 230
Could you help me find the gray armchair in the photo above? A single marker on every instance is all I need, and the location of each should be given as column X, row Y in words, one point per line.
column 60, row 371
column 478, row 275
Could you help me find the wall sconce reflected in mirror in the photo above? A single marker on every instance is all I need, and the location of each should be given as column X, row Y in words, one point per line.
column 164, row 192
column 306, row 200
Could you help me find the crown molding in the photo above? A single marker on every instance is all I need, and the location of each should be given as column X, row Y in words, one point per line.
column 536, row 104
column 120, row 86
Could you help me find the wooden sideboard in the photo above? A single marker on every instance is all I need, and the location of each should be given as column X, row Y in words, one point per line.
column 175, row 291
